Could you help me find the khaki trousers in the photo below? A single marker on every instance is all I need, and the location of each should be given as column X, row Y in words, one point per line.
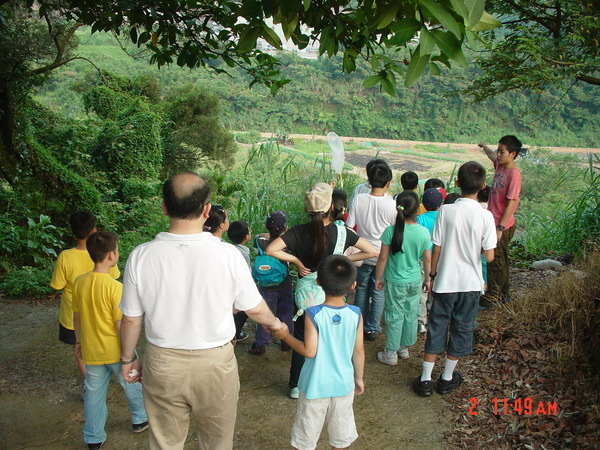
column 179, row 384
column 498, row 269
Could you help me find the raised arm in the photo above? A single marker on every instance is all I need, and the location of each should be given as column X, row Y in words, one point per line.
column 490, row 153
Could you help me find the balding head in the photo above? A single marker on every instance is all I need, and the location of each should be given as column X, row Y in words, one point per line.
column 185, row 195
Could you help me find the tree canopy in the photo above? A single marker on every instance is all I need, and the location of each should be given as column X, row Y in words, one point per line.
column 196, row 33
column 542, row 43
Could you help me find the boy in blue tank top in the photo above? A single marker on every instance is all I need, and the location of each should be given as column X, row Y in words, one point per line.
column 333, row 371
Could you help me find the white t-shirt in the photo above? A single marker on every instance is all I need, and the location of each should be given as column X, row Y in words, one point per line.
column 462, row 229
column 364, row 188
column 187, row 287
column 372, row 215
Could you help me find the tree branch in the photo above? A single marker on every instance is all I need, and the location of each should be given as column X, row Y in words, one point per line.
column 589, row 79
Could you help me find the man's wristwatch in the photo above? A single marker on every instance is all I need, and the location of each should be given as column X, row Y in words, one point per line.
column 129, row 361
column 501, row 227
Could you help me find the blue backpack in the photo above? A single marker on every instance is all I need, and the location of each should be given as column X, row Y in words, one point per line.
column 267, row 271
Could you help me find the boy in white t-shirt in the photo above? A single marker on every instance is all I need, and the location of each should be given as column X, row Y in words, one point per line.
column 461, row 231
column 372, row 214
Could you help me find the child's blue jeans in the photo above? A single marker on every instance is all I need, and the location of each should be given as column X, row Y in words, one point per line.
column 97, row 379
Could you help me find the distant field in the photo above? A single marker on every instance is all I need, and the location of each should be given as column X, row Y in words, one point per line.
column 427, row 159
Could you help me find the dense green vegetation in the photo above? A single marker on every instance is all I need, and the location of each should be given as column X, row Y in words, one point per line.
column 114, row 135
column 322, row 99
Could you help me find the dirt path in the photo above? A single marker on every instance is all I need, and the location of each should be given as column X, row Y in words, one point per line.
column 40, row 394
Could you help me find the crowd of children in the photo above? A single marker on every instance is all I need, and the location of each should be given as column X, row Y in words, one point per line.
column 419, row 263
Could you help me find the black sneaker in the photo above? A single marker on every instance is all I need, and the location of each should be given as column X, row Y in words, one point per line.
column 95, row 446
column 257, row 349
column 371, row 336
column 139, row 427
column 446, row 386
column 422, row 388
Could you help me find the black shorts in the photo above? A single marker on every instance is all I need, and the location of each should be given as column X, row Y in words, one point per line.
column 65, row 335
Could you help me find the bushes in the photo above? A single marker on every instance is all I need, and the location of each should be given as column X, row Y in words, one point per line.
column 560, row 207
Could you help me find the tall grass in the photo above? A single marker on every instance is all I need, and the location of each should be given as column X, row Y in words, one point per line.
column 565, row 217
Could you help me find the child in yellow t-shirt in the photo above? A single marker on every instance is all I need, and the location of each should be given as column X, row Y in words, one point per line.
column 97, row 320
column 69, row 265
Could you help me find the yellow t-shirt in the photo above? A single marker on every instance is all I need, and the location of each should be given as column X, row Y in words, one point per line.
column 96, row 298
column 69, row 265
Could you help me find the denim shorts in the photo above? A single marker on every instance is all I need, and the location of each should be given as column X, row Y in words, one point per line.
column 451, row 323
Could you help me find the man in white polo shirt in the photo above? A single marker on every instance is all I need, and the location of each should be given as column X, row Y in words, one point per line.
column 184, row 285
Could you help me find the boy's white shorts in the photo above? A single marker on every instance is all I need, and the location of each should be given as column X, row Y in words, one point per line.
column 311, row 414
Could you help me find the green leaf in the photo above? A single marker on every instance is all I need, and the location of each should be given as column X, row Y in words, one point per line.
column 387, row 14
column 475, row 8
column 404, row 31
column 416, row 67
column 487, row 22
column 289, row 27
column 443, row 16
column 427, row 43
column 388, row 86
column 446, row 42
column 349, row 64
column 133, row 34
column 271, row 37
column 306, row 5
column 374, row 63
column 461, row 9
column 372, row 81
column 248, row 39
column 434, row 69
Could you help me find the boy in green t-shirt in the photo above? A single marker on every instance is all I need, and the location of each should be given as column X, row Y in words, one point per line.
column 97, row 320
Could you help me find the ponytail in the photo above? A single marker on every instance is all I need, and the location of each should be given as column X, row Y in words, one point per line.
column 407, row 204
column 316, row 231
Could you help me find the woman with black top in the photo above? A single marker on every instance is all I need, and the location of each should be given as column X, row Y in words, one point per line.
column 305, row 245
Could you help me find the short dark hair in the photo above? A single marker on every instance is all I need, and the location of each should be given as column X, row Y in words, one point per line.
column 409, row 181
column 512, row 143
column 379, row 175
column 451, row 198
column 216, row 216
column 471, row 177
column 433, row 183
column 185, row 200
column 340, row 203
column 373, row 162
column 335, row 274
column 82, row 223
column 100, row 243
column 238, row 230
column 483, row 196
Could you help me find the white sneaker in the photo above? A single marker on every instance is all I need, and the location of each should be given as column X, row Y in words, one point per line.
column 391, row 359
column 421, row 328
column 294, row 393
column 403, row 354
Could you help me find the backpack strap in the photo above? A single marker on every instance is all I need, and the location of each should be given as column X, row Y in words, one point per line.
column 258, row 247
column 341, row 239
